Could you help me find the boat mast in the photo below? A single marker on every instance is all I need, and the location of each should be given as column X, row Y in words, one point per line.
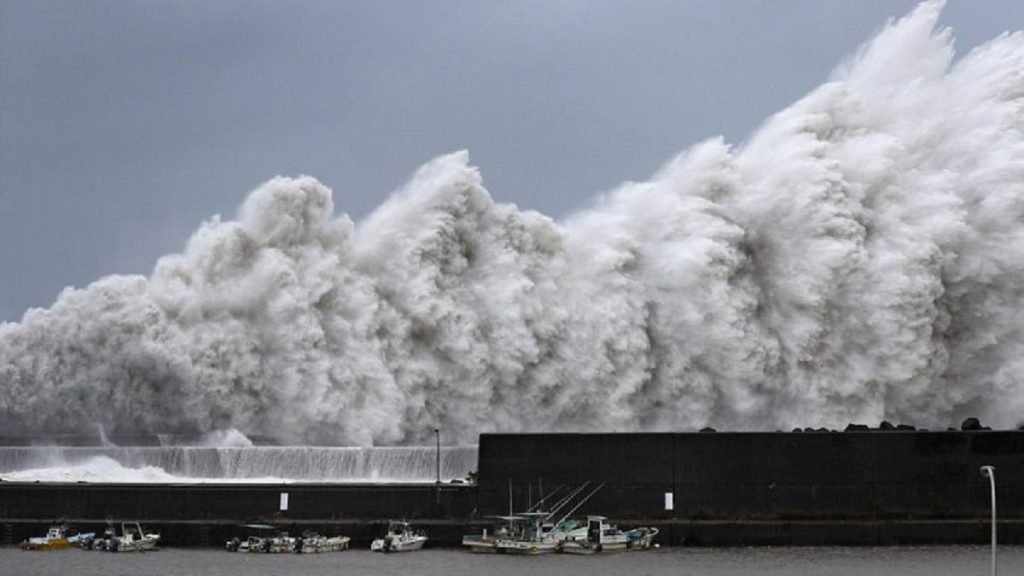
column 510, row 505
column 581, row 503
column 567, row 499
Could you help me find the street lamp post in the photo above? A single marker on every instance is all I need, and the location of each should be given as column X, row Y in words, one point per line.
column 437, row 486
column 990, row 473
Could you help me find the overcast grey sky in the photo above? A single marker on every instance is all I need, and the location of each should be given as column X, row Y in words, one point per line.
column 123, row 125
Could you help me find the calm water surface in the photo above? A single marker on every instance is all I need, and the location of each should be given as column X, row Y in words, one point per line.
column 930, row 561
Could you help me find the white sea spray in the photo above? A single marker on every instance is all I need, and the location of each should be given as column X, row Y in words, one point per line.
column 861, row 257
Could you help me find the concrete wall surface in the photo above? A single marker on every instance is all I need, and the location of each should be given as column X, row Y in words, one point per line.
column 852, row 488
column 237, row 503
column 869, row 475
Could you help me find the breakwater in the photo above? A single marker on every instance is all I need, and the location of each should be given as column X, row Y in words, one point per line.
column 857, row 488
column 765, row 476
column 266, row 464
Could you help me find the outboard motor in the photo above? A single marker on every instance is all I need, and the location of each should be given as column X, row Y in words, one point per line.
column 234, row 544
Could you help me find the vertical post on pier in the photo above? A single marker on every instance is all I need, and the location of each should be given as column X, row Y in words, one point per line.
column 437, row 485
column 990, row 473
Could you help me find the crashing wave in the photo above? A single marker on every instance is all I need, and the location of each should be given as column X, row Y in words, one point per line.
column 860, row 258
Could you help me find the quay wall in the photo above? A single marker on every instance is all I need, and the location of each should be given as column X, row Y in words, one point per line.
column 849, row 488
column 209, row 514
column 809, row 476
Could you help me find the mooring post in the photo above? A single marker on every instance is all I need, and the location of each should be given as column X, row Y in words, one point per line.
column 990, row 472
column 437, row 485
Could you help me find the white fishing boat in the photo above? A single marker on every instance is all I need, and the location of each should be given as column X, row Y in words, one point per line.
column 399, row 538
column 280, row 543
column 250, row 544
column 254, row 537
column 599, row 536
column 480, row 542
column 134, row 539
column 262, row 539
column 520, row 534
column 265, row 541
column 532, row 532
column 313, row 543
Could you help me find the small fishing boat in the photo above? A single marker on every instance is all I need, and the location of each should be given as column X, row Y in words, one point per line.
column 266, row 542
column 532, row 532
column 280, row 543
column 484, row 542
column 599, row 536
column 262, row 539
column 132, row 539
column 313, row 543
column 56, row 539
column 399, row 538
column 253, row 539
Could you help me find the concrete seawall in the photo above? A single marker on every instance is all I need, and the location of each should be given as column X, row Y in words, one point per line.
column 863, row 476
column 852, row 488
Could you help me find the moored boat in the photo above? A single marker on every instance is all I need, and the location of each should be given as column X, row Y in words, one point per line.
column 263, row 540
column 516, row 534
column 532, row 532
column 132, row 539
column 599, row 536
column 400, row 537
column 313, row 543
column 56, row 539
column 253, row 538
column 280, row 543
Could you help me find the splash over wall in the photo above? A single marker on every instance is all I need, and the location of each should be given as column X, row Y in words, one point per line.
column 861, row 257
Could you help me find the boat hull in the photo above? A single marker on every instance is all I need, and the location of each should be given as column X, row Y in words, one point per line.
column 336, row 544
column 396, row 545
column 479, row 545
column 639, row 539
column 144, row 544
column 526, row 548
column 58, row 544
column 588, row 548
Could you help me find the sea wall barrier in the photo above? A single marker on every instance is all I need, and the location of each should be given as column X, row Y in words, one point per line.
column 840, row 476
column 714, row 489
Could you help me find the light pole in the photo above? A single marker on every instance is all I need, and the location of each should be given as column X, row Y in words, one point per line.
column 437, row 487
column 990, row 472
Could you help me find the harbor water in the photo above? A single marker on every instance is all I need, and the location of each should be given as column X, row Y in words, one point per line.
column 916, row 561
